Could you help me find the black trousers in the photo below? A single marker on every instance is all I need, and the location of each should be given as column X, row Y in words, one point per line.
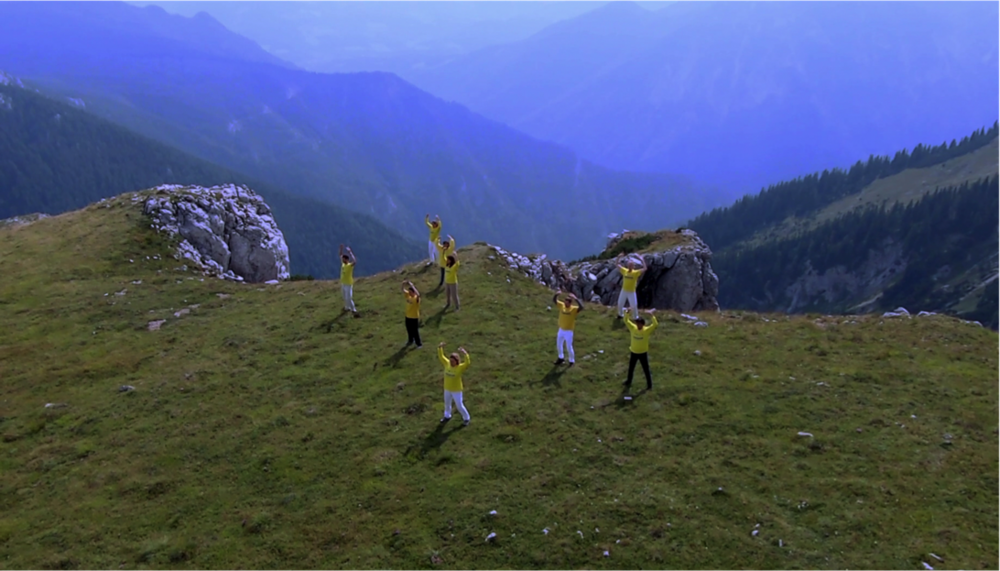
column 413, row 330
column 441, row 283
column 644, row 359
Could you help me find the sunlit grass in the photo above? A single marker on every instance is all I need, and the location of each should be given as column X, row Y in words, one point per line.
column 269, row 430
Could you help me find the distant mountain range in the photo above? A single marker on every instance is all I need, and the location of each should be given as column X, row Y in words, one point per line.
column 369, row 142
column 55, row 157
column 741, row 94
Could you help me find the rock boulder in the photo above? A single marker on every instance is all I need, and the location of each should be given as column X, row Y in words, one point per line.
column 227, row 230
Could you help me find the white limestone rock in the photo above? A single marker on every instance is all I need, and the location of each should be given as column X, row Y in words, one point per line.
column 227, row 230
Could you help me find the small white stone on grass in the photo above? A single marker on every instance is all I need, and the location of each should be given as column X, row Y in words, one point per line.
column 493, row 512
column 491, row 536
column 545, row 531
column 926, row 566
column 936, row 557
column 606, row 554
column 805, row 434
column 581, row 533
column 700, row 324
column 755, row 532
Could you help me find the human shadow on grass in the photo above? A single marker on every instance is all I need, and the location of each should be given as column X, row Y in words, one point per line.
column 435, row 439
column 618, row 324
column 396, row 357
column 551, row 379
column 328, row 324
column 435, row 320
column 623, row 402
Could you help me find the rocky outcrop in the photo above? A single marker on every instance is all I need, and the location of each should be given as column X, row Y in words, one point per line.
column 679, row 278
column 227, row 230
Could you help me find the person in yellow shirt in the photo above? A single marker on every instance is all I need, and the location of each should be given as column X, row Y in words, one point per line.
column 444, row 249
column 347, row 262
column 451, row 281
column 568, row 310
column 631, row 272
column 640, row 331
column 412, row 314
column 435, row 229
column 453, row 388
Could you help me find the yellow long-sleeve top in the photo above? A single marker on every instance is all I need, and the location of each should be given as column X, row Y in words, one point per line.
column 640, row 339
column 412, row 305
column 629, row 278
column 347, row 274
column 451, row 273
column 567, row 315
column 443, row 253
column 435, row 230
column 453, row 375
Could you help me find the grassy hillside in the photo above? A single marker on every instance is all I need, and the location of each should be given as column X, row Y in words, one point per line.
column 266, row 429
column 54, row 158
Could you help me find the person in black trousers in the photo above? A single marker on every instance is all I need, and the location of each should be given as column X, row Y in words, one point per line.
column 640, row 333
column 412, row 314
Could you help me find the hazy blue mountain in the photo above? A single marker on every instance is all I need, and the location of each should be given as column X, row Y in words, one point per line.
column 739, row 93
column 55, row 158
column 370, row 142
column 380, row 36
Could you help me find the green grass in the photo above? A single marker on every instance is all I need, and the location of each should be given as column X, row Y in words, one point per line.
column 269, row 430
column 640, row 242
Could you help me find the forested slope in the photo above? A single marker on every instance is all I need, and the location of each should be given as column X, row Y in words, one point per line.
column 872, row 238
column 55, row 157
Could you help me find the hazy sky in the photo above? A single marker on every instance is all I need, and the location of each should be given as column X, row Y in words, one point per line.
column 382, row 36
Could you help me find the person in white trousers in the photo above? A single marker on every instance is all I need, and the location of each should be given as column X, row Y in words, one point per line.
column 347, row 262
column 453, row 369
column 631, row 272
column 434, row 226
column 568, row 311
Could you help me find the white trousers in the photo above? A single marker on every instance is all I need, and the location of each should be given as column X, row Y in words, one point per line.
column 565, row 337
column 632, row 302
column 432, row 251
column 457, row 397
column 348, row 291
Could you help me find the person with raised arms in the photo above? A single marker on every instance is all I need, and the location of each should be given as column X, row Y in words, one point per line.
column 640, row 333
column 434, row 226
column 631, row 273
column 412, row 314
column 347, row 262
column 451, row 281
column 568, row 310
column 444, row 249
column 453, row 388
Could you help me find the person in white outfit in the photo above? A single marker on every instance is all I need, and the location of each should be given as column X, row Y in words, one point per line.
column 631, row 272
column 568, row 311
column 347, row 262
column 434, row 226
column 453, row 387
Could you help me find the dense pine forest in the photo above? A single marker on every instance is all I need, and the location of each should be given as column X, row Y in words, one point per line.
column 55, row 158
column 725, row 226
column 944, row 234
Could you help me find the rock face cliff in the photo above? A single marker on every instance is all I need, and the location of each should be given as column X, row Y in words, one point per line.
column 226, row 230
column 678, row 278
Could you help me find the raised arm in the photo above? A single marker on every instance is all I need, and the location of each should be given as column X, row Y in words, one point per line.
column 577, row 300
column 340, row 252
column 466, row 359
column 350, row 253
column 643, row 260
column 441, row 357
column 555, row 298
column 427, row 220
